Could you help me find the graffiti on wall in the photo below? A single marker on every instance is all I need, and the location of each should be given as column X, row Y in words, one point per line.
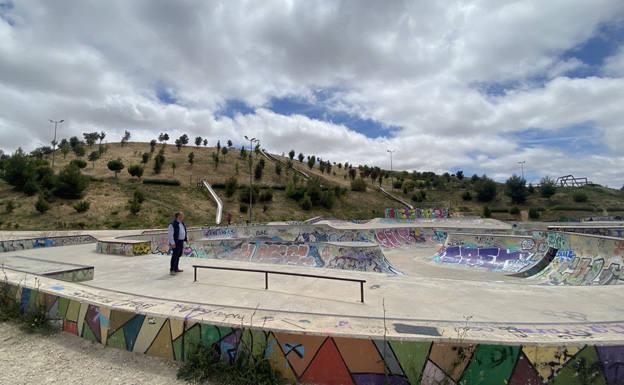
column 35, row 243
column 303, row 358
column 123, row 248
column 417, row 213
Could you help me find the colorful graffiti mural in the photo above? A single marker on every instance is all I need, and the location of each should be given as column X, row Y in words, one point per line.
column 417, row 213
column 489, row 251
column 329, row 360
column 35, row 243
column 127, row 248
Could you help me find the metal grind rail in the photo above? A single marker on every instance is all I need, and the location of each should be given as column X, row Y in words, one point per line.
column 267, row 272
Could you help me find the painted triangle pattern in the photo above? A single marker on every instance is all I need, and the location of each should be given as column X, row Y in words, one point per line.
column 326, row 360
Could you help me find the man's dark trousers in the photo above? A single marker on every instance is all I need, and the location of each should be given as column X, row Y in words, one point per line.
column 175, row 256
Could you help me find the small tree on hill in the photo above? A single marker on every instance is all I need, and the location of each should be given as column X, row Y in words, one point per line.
column 198, row 141
column 145, row 157
column 71, row 183
column 352, row 173
column 547, row 187
column 243, row 152
column 205, row 142
column 101, row 137
column 173, row 168
column 218, row 145
column 291, row 154
column 163, row 137
column 125, row 138
column 515, row 188
column 135, row 170
column 229, row 143
column 159, row 162
column 91, row 137
column 224, row 151
column 191, row 158
column 231, row 184
column 311, row 161
column 115, row 165
column 300, row 157
column 93, row 156
column 485, row 189
column 152, row 145
column 358, row 185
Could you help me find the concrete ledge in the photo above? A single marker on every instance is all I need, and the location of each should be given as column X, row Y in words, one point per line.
column 127, row 247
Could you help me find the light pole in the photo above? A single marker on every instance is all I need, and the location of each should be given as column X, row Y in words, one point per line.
column 391, row 174
column 251, row 142
column 522, row 167
column 56, row 122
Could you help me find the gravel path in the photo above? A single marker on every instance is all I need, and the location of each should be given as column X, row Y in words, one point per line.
column 64, row 359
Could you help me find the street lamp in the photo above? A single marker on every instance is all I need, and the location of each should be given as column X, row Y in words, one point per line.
column 56, row 122
column 251, row 142
column 522, row 167
column 391, row 174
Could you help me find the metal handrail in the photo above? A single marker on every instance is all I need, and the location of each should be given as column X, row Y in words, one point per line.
column 267, row 272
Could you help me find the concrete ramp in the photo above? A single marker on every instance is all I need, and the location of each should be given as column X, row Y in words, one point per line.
column 63, row 271
column 356, row 256
column 503, row 253
column 583, row 260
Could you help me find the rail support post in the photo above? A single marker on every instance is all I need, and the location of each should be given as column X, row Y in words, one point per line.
column 194, row 273
column 362, row 291
column 266, row 280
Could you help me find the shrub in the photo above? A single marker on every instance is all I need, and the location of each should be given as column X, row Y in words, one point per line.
column 485, row 189
column 408, row 186
column 115, row 166
column 159, row 162
column 243, row 208
column 419, row 196
column 79, row 163
column 42, row 205
column 486, row 212
column 515, row 188
column 138, row 196
column 135, row 170
column 82, row 206
column 534, row 213
column 531, row 188
column 580, row 197
column 467, row 196
column 514, row 211
column 71, row 183
column 31, row 187
column 327, row 199
column 167, row 182
column 306, row 203
column 548, row 187
column 397, row 183
column 243, row 194
column 134, row 207
column 231, row 184
column 145, row 157
column 258, row 171
column 266, row 196
column 358, row 184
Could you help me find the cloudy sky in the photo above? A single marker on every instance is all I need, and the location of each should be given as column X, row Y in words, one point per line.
column 473, row 85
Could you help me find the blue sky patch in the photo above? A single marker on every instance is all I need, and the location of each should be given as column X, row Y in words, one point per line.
column 576, row 140
column 165, row 95
column 234, row 107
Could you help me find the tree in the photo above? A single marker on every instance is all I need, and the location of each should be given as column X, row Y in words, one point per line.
column 258, row 171
column 205, row 142
column 278, row 168
column 231, row 184
column 102, row 136
column 145, row 157
column 547, row 187
column 358, row 184
column 135, row 170
column 300, row 157
column 42, row 205
column 224, row 151
column 65, row 148
column 229, row 143
column 215, row 158
column 93, row 156
column 243, row 152
column 467, row 196
column 487, row 212
column 115, row 165
column 79, row 150
column 515, row 188
column 71, row 183
column 74, row 141
column 257, row 149
column 198, row 141
column 152, row 145
column 125, row 138
column 159, row 162
column 459, row 174
column 485, row 189
column 91, row 138
column 218, row 145
column 79, row 163
column 182, row 141
column 352, row 173
column 163, row 137
column 291, row 154
column 311, row 161
column 191, row 158
column 173, row 168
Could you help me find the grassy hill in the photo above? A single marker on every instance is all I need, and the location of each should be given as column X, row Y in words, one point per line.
column 109, row 196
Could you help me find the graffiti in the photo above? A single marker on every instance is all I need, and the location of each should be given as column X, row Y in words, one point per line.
column 417, row 213
column 402, row 237
column 126, row 248
column 492, row 258
column 35, row 243
column 439, row 236
column 219, row 232
column 141, row 248
column 527, row 244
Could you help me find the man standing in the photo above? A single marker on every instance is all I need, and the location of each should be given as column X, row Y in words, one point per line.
column 176, row 235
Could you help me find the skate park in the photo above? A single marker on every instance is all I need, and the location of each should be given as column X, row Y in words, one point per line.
column 429, row 301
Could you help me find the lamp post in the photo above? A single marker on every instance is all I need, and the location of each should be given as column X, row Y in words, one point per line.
column 251, row 142
column 56, row 123
column 391, row 174
column 522, row 167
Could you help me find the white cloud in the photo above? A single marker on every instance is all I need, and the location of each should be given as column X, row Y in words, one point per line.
column 415, row 65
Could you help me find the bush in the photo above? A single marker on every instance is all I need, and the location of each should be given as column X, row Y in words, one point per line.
column 266, row 196
column 580, row 197
column 243, row 194
column 135, row 170
column 306, row 203
column 42, row 205
column 31, row 187
column 514, row 211
column 467, row 196
column 138, row 196
column 548, row 187
column 485, row 189
column 419, row 196
column 134, row 207
column 71, row 183
column 231, row 184
column 486, row 212
column 145, row 157
column 515, row 188
column 327, row 199
column 79, row 163
column 243, row 208
column 167, row 182
column 358, row 184
column 159, row 162
column 534, row 214
column 397, row 184
column 531, row 188
column 82, row 206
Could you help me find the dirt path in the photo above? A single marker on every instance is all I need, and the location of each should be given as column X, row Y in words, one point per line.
column 63, row 359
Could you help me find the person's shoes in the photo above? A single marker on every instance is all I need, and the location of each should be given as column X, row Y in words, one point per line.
column 172, row 272
column 179, row 271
